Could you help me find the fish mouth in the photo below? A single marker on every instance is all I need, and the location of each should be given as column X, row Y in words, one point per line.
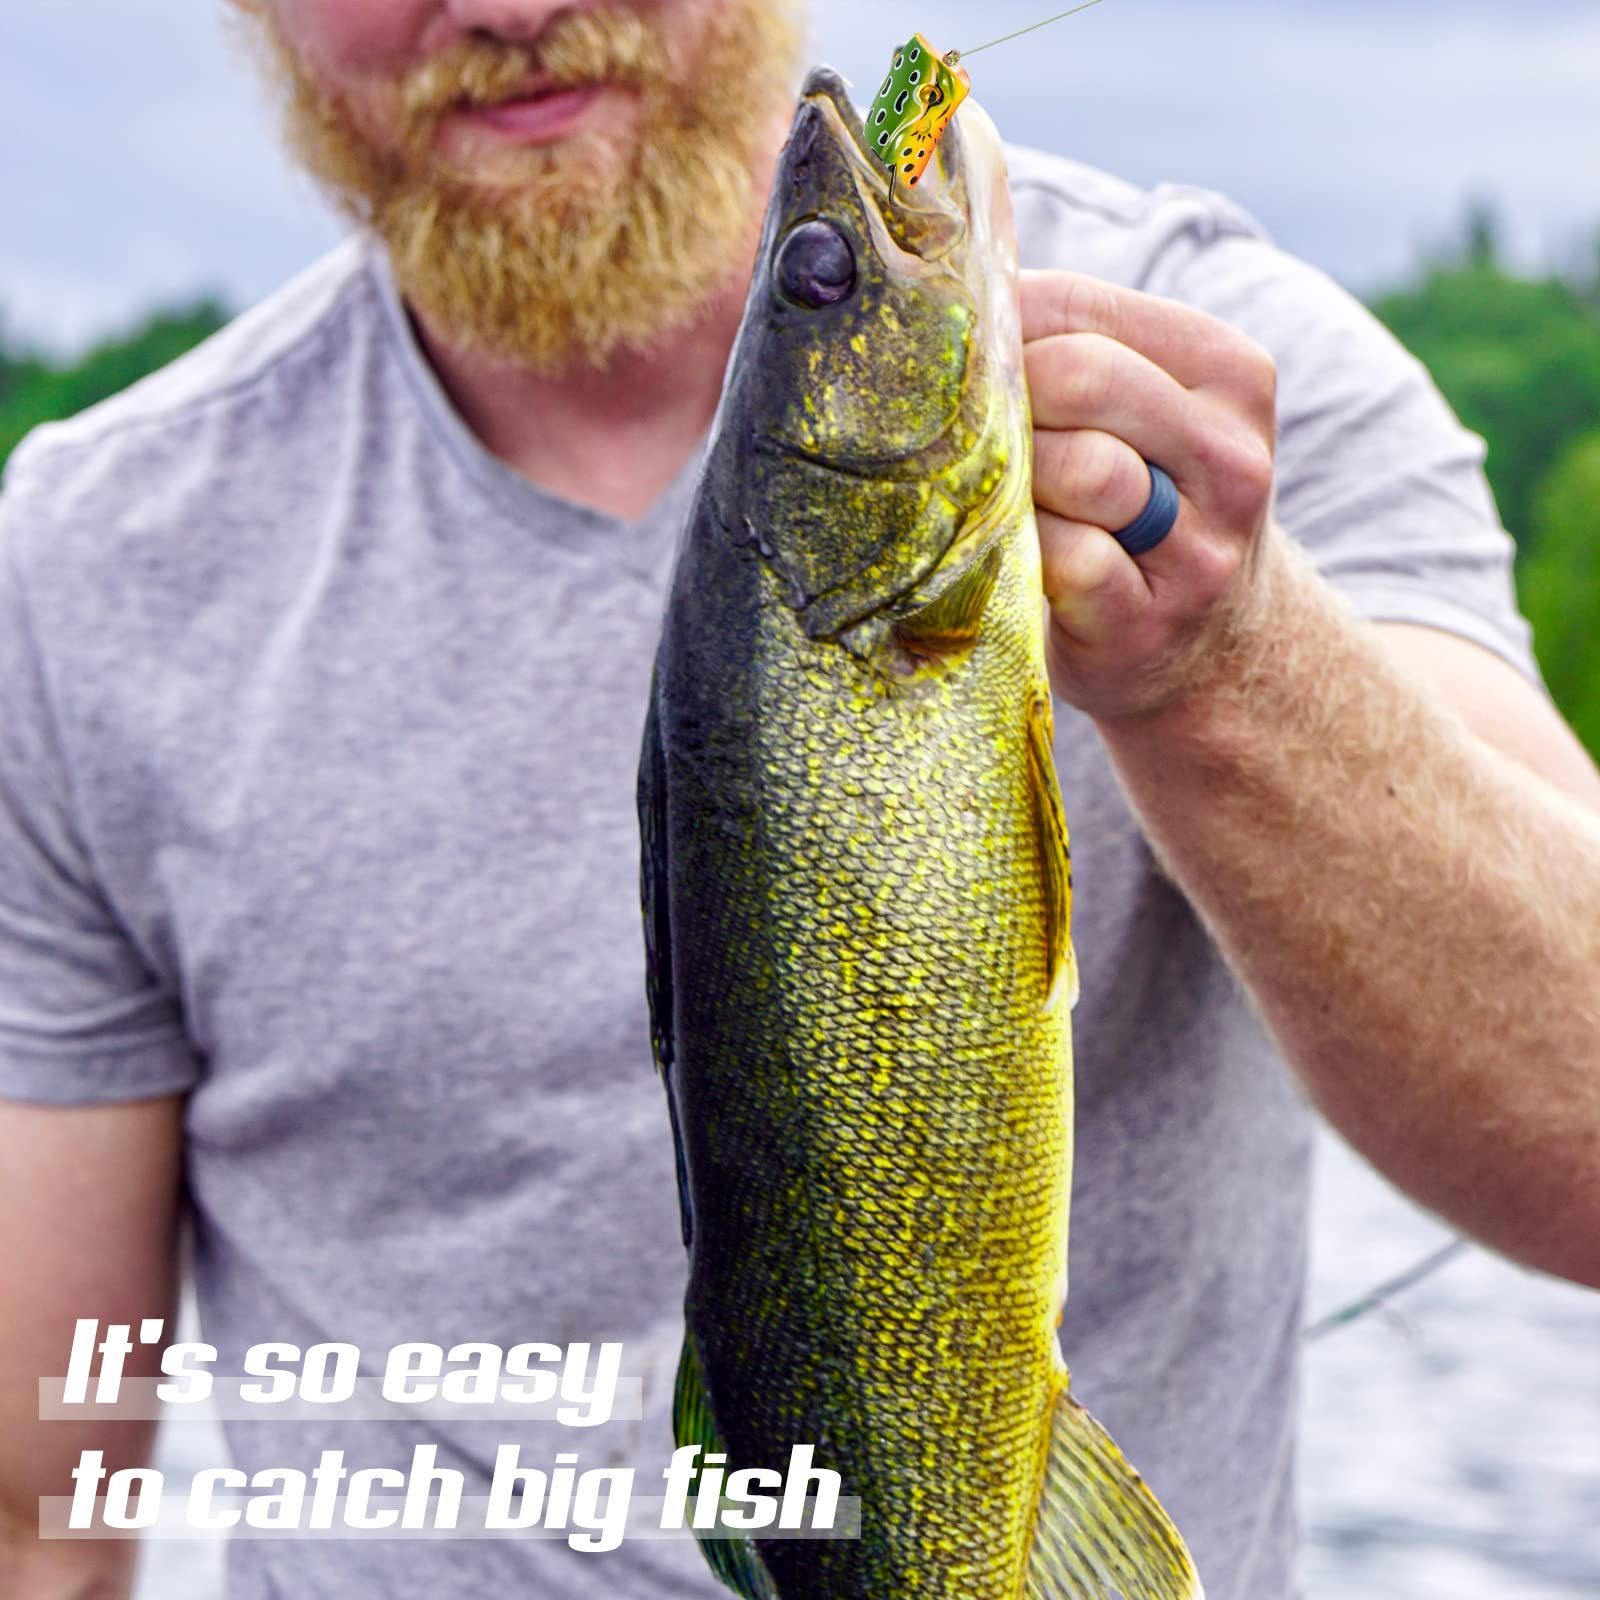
column 824, row 84
column 939, row 195
column 918, row 234
column 957, row 221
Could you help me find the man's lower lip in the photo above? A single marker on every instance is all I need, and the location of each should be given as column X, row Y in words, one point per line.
column 549, row 116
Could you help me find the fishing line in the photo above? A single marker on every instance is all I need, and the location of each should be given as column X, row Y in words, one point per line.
column 955, row 56
column 921, row 94
column 1386, row 1291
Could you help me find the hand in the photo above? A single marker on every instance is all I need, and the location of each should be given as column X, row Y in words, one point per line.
column 1117, row 376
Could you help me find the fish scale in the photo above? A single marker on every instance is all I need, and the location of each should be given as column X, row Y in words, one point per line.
column 856, row 895
column 859, row 1180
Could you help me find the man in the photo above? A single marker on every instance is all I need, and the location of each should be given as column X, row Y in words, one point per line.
column 324, row 656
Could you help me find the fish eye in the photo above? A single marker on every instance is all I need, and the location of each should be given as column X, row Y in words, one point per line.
column 816, row 266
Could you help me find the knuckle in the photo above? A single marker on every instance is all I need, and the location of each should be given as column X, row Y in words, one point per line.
column 1248, row 370
column 1263, row 373
column 1258, row 377
column 1215, row 566
column 1067, row 378
column 1106, row 477
column 1240, row 468
column 1101, row 374
column 1084, row 382
column 1254, row 474
column 1089, row 305
column 1244, row 367
column 1083, row 566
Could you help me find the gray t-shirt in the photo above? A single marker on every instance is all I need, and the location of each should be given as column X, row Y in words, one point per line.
column 318, row 732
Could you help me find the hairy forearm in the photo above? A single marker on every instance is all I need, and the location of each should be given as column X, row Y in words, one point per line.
column 32, row 1568
column 1416, row 916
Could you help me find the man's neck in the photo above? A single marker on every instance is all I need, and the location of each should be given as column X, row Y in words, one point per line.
column 613, row 437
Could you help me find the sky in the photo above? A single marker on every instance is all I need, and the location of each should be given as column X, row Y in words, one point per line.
column 142, row 165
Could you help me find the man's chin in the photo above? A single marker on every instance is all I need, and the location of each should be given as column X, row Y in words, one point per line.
column 529, row 203
column 553, row 282
column 560, row 258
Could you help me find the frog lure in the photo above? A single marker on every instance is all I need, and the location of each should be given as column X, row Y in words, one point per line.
column 920, row 95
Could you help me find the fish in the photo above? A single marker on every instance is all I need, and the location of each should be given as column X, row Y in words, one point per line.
column 857, row 891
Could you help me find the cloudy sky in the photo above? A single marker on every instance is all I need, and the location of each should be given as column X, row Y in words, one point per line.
column 141, row 166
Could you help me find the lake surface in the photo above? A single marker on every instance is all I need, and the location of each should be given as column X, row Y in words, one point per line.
column 1450, row 1449
column 1450, row 1446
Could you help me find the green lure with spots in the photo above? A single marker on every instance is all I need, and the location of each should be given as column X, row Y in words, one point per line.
column 857, row 900
column 919, row 97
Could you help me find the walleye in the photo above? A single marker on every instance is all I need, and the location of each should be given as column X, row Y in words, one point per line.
column 857, row 898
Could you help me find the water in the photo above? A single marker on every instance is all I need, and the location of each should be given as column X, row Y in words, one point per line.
column 1450, row 1446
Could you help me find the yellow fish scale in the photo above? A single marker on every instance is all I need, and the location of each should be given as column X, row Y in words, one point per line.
column 895, row 865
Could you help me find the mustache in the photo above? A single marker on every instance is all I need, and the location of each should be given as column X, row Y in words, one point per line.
column 578, row 48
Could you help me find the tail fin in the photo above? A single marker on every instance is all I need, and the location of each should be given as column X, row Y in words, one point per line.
column 1101, row 1534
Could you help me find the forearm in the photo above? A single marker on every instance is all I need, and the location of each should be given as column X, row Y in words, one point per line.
column 32, row 1568
column 91, row 1193
column 36, row 1462
column 1416, row 916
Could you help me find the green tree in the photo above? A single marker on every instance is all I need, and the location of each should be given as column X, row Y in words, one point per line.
column 1519, row 360
column 33, row 390
column 1560, row 586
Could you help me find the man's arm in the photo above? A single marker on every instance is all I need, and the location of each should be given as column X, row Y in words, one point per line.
column 91, row 1198
column 1396, row 843
column 1390, row 836
column 1497, row 703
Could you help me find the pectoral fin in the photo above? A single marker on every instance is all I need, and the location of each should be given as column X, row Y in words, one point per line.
column 1100, row 1533
column 1054, row 853
column 735, row 1561
column 949, row 624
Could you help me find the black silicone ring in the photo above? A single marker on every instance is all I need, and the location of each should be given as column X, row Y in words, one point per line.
column 1158, row 518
